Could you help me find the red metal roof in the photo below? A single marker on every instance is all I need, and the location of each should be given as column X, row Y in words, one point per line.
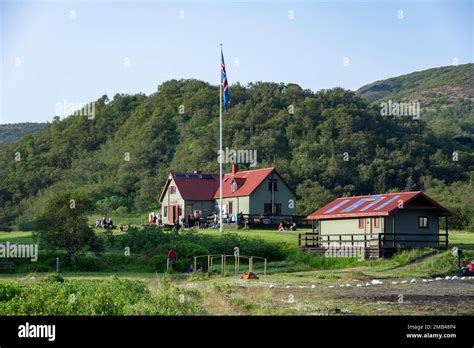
column 196, row 187
column 199, row 186
column 247, row 182
column 370, row 205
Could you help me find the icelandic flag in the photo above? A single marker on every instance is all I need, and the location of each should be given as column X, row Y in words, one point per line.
column 225, row 86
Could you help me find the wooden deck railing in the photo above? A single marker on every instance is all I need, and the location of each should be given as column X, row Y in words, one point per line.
column 382, row 241
column 354, row 239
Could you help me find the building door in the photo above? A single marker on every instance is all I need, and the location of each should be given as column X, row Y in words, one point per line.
column 177, row 209
column 174, row 213
column 171, row 219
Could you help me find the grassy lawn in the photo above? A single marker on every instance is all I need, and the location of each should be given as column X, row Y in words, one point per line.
column 16, row 237
column 463, row 239
column 290, row 237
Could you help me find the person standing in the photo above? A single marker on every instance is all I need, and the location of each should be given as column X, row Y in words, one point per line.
column 171, row 259
column 187, row 221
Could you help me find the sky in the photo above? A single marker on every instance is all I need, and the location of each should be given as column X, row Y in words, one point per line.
column 55, row 53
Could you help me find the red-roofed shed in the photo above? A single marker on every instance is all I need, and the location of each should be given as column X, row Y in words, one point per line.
column 379, row 223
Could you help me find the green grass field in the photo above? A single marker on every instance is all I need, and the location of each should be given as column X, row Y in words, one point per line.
column 315, row 285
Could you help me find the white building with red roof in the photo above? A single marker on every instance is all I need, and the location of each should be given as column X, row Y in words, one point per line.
column 256, row 192
column 380, row 224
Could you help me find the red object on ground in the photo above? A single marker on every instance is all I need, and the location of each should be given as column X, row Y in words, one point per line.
column 172, row 254
column 249, row 275
column 470, row 266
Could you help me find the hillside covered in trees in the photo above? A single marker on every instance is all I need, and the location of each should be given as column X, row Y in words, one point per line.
column 326, row 144
column 9, row 133
column 446, row 96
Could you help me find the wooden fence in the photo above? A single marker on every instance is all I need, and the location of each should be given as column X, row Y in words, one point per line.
column 381, row 244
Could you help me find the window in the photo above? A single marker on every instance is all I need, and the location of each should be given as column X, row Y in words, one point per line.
column 165, row 211
column 230, row 208
column 172, row 189
column 274, row 183
column 278, row 208
column 423, row 222
column 376, row 222
column 267, row 208
column 362, row 223
column 233, row 187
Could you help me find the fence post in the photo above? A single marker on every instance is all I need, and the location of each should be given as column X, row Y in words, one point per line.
column 208, row 264
column 265, row 266
column 195, row 264
column 222, row 265
column 446, row 228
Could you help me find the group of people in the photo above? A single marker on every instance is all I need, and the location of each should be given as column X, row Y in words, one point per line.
column 283, row 228
column 104, row 222
column 155, row 219
column 192, row 220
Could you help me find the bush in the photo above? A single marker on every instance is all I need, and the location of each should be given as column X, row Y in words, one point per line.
column 112, row 296
column 86, row 263
column 26, row 226
column 5, row 228
column 155, row 241
column 320, row 261
column 9, row 291
column 53, row 278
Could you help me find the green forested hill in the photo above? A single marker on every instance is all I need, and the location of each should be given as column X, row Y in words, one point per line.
column 446, row 97
column 123, row 155
column 9, row 133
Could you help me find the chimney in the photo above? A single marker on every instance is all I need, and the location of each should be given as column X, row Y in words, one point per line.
column 197, row 172
column 235, row 168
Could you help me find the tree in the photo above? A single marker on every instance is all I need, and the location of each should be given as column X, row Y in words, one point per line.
column 314, row 197
column 63, row 223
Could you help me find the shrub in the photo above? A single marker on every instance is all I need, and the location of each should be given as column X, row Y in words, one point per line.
column 111, row 296
column 320, row 261
column 5, row 228
column 9, row 291
column 85, row 263
column 53, row 278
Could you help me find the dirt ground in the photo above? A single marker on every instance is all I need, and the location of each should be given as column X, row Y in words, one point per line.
column 442, row 297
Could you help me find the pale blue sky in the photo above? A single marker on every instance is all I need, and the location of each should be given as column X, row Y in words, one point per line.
column 47, row 57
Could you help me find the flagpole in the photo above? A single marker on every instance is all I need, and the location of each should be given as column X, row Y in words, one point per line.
column 220, row 149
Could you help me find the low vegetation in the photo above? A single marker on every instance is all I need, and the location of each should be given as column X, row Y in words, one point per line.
column 54, row 295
